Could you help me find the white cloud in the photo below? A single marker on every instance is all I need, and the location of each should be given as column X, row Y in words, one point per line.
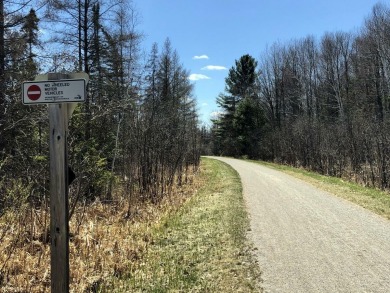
column 196, row 76
column 214, row 67
column 205, row 104
column 216, row 114
column 200, row 57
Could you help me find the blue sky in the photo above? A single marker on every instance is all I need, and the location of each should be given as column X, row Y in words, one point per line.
column 224, row 30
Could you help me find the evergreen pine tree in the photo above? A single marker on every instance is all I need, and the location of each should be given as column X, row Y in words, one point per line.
column 240, row 86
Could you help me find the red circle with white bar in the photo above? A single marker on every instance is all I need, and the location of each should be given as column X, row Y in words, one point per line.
column 34, row 92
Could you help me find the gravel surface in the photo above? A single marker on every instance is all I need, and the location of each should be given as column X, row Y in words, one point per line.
column 309, row 240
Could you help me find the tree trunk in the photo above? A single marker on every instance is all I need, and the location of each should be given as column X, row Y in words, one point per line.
column 2, row 79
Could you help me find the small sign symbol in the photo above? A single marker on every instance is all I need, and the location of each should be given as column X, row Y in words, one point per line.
column 34, row 92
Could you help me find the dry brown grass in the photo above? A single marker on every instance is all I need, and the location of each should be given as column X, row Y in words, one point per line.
column 203, row 246
column 104, row 241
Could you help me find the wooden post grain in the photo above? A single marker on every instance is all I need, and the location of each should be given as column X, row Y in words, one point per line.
column 59, row 207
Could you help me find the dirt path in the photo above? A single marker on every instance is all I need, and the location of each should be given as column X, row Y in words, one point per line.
column 310, row 241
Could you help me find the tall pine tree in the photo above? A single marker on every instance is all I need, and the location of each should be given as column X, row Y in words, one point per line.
column 240, row 111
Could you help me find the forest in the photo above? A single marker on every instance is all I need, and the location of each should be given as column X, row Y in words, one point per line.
column 138, row 126
column 318, row 103
column 132, row 143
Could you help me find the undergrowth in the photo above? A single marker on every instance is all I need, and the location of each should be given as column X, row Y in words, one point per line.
column 105, row 240
column 202, row 247
column 193, row 240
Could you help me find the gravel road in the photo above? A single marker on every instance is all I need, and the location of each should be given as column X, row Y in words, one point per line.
column 309, row 240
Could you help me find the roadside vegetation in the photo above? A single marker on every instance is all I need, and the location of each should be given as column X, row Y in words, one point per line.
column 202, row 247
column 192, row 240
column 133, row 145
column 373, row 199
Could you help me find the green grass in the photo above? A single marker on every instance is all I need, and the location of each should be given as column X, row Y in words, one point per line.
column 202, row 247
column 373, row 199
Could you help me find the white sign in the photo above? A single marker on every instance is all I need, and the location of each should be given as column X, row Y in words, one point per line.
column 54, row 91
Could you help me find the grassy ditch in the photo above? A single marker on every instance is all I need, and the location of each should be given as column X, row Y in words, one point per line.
column 373, row 199
column 200, row 248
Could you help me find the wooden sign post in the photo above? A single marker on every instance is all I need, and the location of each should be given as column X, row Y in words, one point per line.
column 59, row 203
column 57, row 91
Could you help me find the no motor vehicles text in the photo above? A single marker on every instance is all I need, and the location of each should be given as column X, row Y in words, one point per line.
column 51, row 89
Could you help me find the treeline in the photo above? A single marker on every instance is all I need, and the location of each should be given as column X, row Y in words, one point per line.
column 138, row 126
column 318, row 104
